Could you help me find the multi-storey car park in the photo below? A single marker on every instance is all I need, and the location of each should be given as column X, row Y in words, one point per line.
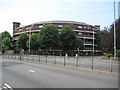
column 84, row 31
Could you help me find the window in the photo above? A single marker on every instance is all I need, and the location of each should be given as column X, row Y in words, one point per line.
column 83, row 27
column 88, row 27
column 27, row 28
column 21, row 29
column 79, row 33
column 60, row 25
column 79, row 26
column 40, row 26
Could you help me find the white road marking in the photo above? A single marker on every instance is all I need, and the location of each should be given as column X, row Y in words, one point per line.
column 31, row 71
column 8, row 86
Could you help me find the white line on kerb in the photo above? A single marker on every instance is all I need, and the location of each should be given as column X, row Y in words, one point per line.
column 31, row 71
column 8, row 86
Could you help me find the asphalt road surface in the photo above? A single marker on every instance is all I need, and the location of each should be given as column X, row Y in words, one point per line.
column 18, row 74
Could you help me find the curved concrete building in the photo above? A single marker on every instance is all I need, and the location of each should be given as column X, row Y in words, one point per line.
column 84, row 31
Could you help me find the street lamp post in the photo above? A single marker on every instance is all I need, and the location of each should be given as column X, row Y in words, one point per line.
column 29, row 37
column 114, row 34
column 93, row 48
column 1, row 44
column 93, row 42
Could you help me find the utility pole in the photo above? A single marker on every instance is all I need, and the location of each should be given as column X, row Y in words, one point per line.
column 29, row 37
column 93, row 42
column 93, row 48
column 114, row 34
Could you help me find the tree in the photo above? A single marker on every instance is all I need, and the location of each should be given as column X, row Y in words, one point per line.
column 34, row 44
column 111, row 35
column 17, row 44
column 68, row 39
column 48, row 36
column 79, row 43
column 107, row 41
column 99, row 37
column 5, row 34
column 6, row 40
column 6, row 43
column 22, row 39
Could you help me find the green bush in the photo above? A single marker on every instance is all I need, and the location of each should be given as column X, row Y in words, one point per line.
column 109, row 55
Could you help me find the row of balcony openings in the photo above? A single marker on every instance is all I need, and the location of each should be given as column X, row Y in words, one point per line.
column 32, row 27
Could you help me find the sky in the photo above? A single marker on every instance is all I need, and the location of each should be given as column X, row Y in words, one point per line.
column 93, row 12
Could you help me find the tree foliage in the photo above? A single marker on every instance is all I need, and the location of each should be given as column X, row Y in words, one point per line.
column 17, row 45
column 99, row 36
column 48, row 36
column 22, row 39
column 34, row 44
column 68, row 39
column 6, row 40
column 5, row 34
column 107, row 41
column 79, row 43
column 6, row 43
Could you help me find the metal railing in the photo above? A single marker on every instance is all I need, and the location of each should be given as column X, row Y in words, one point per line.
column 89, row 62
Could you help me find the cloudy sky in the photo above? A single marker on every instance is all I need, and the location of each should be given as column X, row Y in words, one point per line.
column 26, row 12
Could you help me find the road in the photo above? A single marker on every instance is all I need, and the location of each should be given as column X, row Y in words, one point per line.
column 18, row 74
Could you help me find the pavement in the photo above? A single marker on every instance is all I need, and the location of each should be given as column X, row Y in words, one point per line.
column 19, row 74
